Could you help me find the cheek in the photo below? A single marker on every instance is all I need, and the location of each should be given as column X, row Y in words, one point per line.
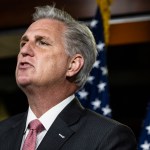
column 45, row 67
column 56, row 68
column 53, row 64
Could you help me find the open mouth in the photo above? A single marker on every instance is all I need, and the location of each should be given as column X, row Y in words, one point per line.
column 24, row 65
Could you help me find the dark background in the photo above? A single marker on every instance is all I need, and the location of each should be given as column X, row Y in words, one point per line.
column 128, row 54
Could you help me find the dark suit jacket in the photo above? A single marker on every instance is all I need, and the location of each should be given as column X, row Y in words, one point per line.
column 75, row 128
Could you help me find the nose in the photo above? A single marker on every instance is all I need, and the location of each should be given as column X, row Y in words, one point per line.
column 27, row 49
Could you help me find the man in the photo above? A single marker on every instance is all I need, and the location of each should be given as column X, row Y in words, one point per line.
column 55, row 58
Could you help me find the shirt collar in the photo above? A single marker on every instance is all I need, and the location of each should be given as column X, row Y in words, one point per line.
column 48, row 117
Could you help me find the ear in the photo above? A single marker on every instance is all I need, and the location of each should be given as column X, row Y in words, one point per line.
column 75, row 65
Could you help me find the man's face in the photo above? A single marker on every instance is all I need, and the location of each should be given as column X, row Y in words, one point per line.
column 42, row 59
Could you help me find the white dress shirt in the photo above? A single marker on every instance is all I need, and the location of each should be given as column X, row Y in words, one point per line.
column 46, row 119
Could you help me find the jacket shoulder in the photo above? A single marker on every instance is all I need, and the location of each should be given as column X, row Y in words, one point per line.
column 104, row 125
column 94, row 117
column 107, row 129
column 8, row 123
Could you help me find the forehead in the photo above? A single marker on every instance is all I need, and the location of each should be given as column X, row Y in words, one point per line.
column 46, row 25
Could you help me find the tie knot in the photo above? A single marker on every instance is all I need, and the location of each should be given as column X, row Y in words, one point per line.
column 36, row 125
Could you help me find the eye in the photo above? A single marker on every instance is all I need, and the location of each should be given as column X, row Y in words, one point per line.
column 22, row 44
column 42, row 42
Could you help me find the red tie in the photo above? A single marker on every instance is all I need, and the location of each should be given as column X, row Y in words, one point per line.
column 35, row 127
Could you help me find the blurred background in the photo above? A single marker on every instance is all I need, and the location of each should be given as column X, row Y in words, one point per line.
column 127, row 38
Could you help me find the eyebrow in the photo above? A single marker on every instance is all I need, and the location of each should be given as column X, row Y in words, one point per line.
column 24, row 38
column 37, row 37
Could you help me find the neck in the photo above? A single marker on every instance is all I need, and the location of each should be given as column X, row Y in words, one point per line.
column 42, row 99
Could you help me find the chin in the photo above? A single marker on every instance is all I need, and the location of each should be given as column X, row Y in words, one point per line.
column 22, row 82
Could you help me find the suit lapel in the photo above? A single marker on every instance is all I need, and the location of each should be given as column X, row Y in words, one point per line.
column 13, row 137
column 61, row 130
column 56, row 136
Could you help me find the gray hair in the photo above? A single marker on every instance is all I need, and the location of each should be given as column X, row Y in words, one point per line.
column 78, row 39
